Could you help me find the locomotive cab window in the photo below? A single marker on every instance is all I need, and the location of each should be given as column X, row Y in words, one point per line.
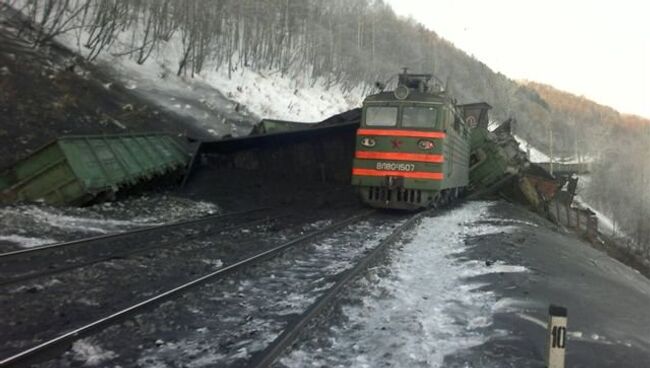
column 381, row 116
column 419, row 117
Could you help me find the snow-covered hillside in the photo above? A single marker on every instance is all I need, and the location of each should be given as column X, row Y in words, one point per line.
column 536, row 155
column 221, row 103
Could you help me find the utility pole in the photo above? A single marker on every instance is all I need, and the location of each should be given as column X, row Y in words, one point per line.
column 550, row 139
column 643, row 231
column 577, row 155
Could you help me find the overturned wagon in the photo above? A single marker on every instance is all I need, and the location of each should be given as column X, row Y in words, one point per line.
column 79, row 169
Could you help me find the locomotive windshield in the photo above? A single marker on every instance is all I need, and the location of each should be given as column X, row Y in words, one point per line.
column 381, row 116
column 419, row 117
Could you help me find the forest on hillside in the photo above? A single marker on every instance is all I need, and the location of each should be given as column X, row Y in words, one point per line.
column 353, row 43
column 620, row 145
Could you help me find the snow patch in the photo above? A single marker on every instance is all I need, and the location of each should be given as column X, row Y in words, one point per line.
column 575, row 334
column 483, row 268
column 272, row 95
column 605, row 224
column 537, row 155
column 90, row 354
column 424, row 309
column 35, row 287
column 30, row 225
column 91, row 225
column 534, row 320
column 213, row 262
column 25, row 241
column 511, row 221
column 534, row 155
column 507, row 305
column 217, row 99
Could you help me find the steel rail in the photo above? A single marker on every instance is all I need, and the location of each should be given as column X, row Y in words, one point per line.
column 124, row 254
column 42, row 348
column 127, row 233
column 291, row 333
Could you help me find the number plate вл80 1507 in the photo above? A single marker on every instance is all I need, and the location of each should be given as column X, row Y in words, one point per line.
column 392, row 166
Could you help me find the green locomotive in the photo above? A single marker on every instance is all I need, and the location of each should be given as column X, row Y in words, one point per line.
column 413, row 147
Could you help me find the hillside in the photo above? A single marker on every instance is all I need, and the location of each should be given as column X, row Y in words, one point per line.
column 585, row 115
column 620, row 142
column 305, row 60
column 579, row 106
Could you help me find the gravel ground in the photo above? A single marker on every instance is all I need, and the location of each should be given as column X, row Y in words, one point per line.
column 45, row 307
column 468, row 288
column 29, row 225
column 224, row 322
column 64, row 258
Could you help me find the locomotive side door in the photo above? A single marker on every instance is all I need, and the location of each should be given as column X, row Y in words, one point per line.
column 449, row 144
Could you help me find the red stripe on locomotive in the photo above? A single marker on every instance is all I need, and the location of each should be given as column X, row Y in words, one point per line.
column 405, row 174
column 401, row 133
column 398, row 156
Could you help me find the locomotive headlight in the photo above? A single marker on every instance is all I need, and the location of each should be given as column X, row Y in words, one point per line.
column 424, row 144
column 368, row 142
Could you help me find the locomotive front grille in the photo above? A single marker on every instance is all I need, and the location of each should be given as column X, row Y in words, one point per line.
column 400, row 195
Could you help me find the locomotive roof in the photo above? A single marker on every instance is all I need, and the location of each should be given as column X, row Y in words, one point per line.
column 414, row 96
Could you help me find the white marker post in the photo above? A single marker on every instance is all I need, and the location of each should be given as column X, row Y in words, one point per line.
column 556, row 341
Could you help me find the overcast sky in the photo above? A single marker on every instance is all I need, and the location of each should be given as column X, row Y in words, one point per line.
column 599, row 49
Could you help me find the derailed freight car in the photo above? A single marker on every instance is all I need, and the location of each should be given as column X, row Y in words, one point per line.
column 499, row 168
column 77, row 170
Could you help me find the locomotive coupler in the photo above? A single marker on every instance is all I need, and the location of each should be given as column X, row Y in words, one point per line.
column 394, row 182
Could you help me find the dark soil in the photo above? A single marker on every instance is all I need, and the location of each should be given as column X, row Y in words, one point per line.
column 605, row 300
column 49, row 91
column 616, row 249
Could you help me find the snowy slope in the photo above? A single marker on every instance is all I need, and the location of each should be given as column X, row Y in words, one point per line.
column 605, row 223
column 271, row 95
column 218, row 102
column 537, row 155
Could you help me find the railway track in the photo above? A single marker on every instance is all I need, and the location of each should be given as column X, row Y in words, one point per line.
column 294, row 329
column 41, row 351
column 37, row 309
column 142, row 230
column 48, row 260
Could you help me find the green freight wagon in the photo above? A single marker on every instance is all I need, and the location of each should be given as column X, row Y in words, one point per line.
column 495, row 156
column 75, row 170
column 488, row 162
